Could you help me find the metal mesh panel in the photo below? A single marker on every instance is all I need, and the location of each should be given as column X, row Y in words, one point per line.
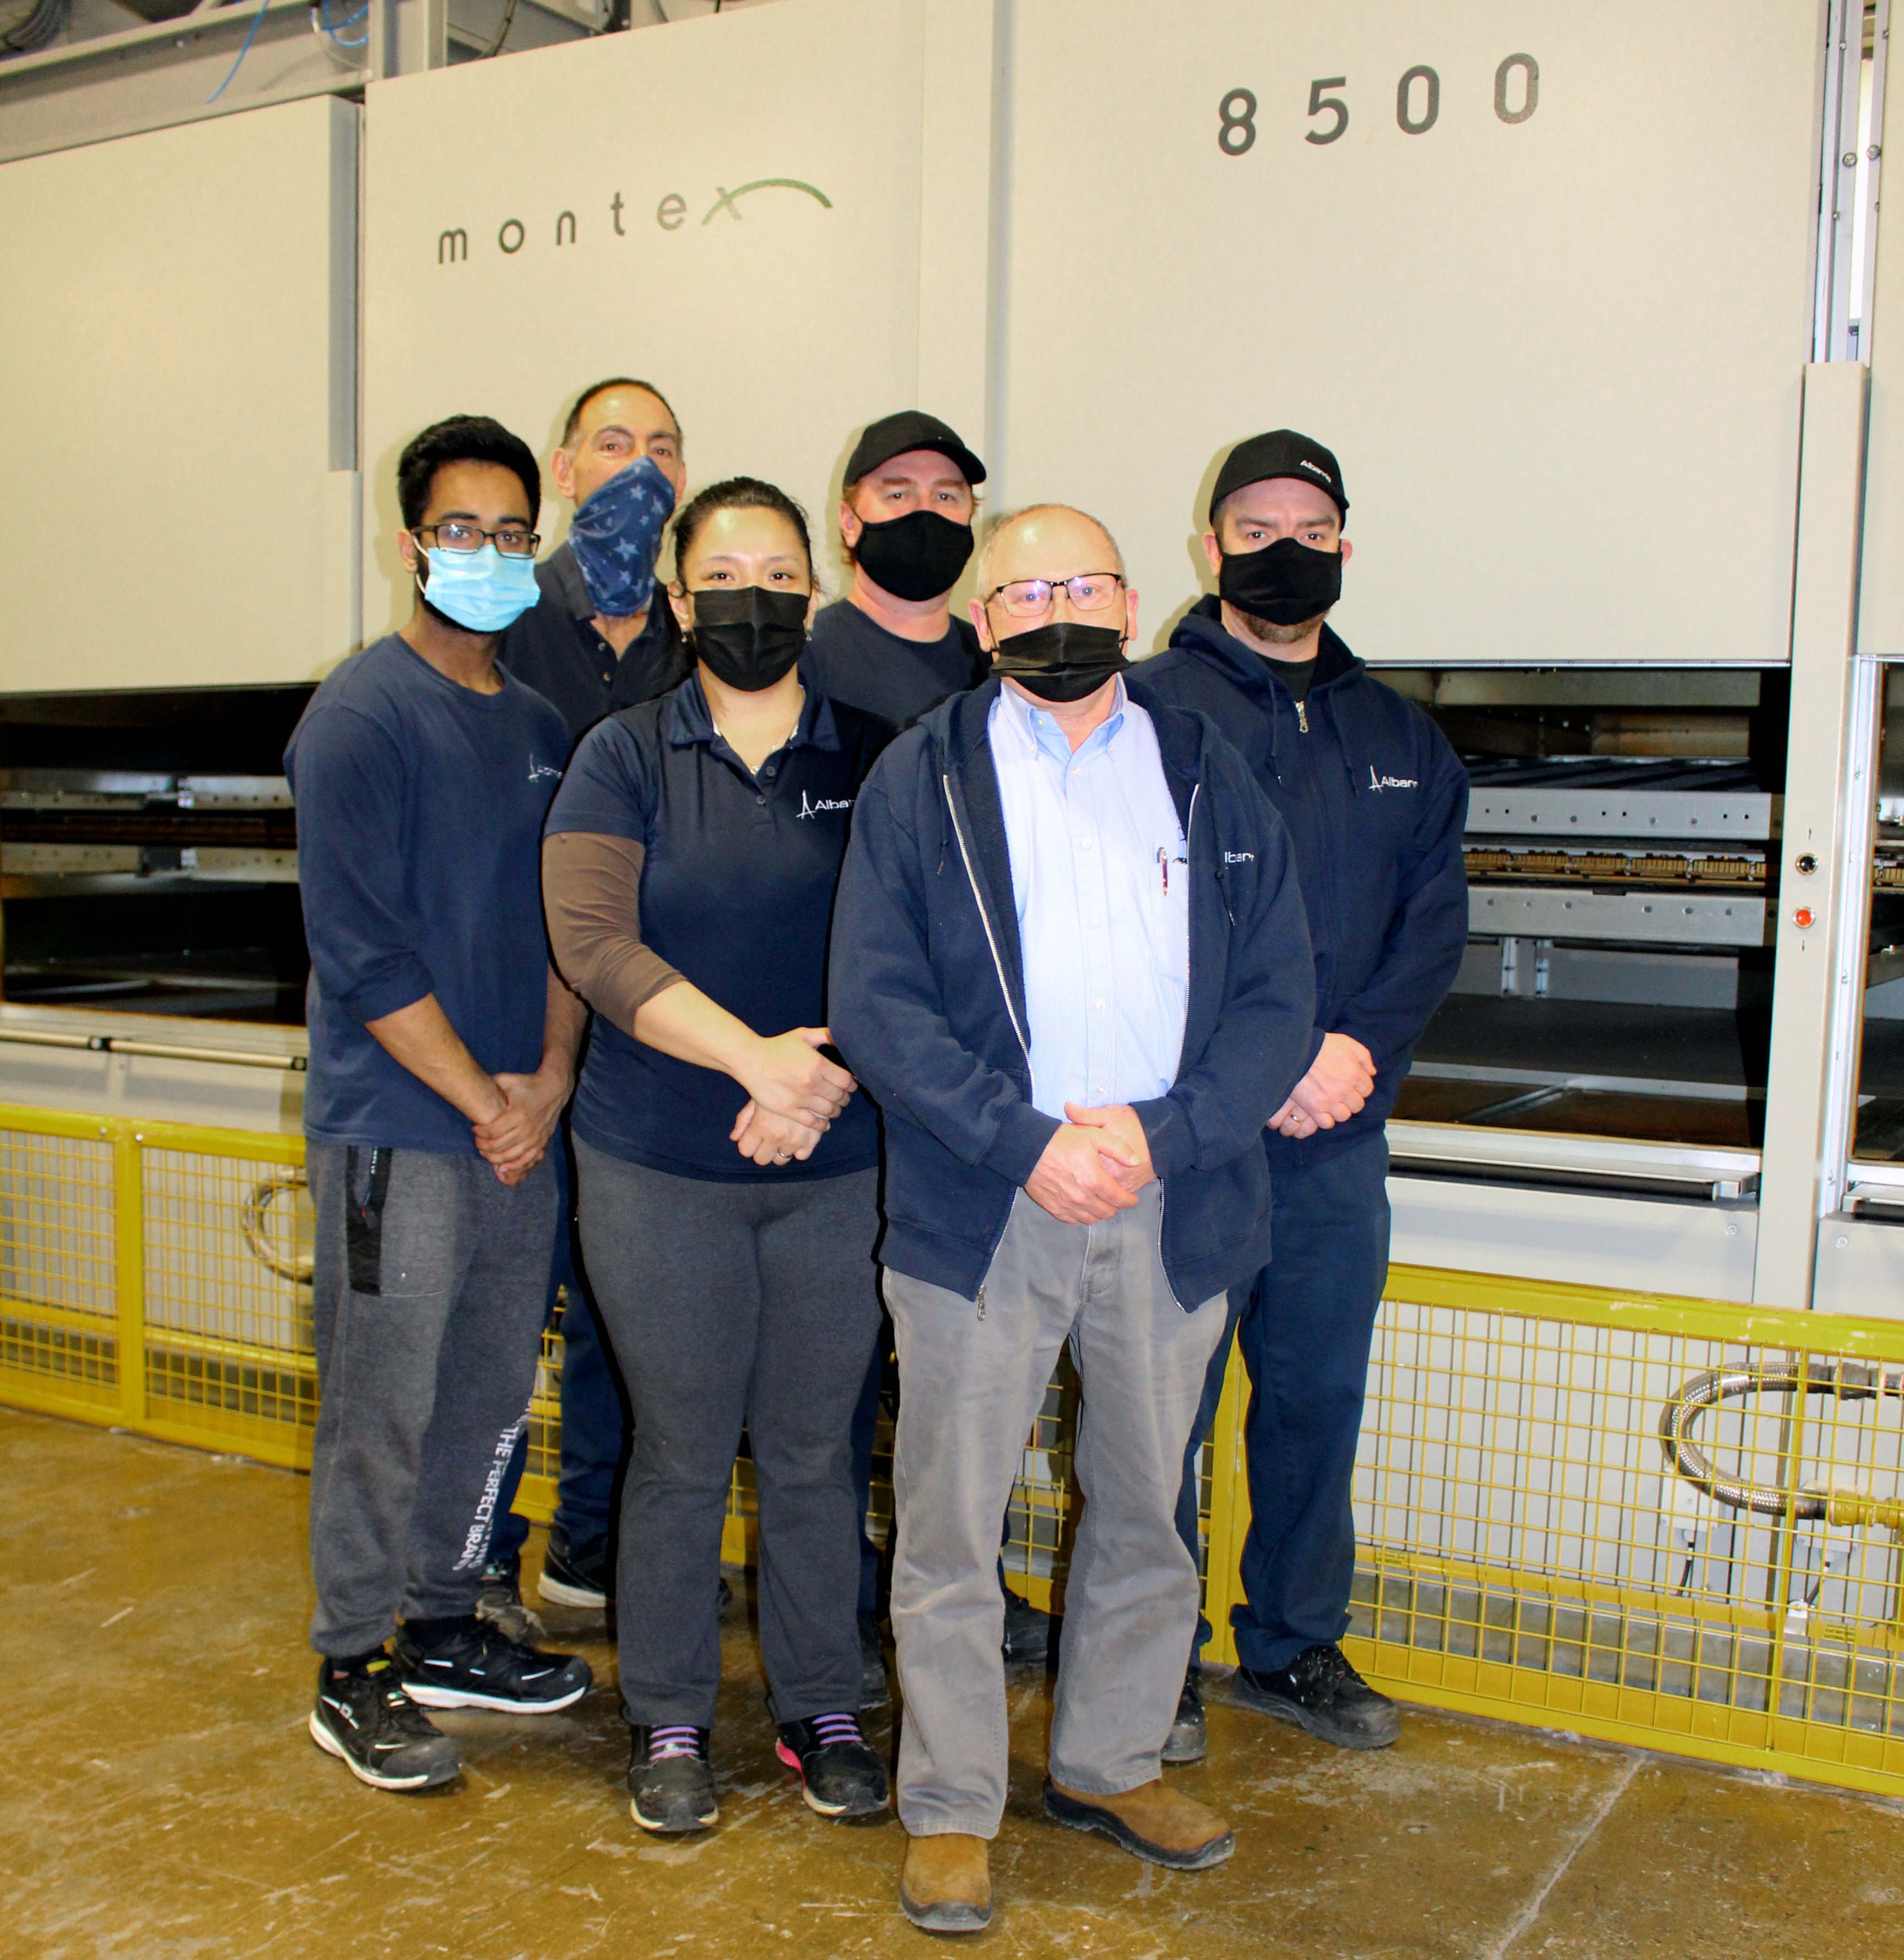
column 58, row 1294
column 1660, row 1531
column 227, row 1292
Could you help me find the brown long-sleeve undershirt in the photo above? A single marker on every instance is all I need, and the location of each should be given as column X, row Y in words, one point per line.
column 591, row 886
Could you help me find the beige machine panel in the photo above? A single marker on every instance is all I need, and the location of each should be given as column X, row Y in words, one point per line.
column 729, row 208
column 178, row 311
column 1880, row 617
column 1539, row 275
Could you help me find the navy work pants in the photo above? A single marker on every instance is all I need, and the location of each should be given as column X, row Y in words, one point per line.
column 1305, row 1327
column 594, row 1419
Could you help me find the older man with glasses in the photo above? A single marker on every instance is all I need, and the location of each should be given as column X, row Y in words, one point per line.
column 1071, row 966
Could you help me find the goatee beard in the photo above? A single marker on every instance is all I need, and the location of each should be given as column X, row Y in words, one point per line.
column 1274, row 635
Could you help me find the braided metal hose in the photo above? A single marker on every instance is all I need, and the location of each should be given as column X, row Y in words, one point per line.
column 254, row 1222
column 1844, row 1381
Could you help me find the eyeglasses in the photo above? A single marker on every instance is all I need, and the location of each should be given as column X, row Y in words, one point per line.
column 1030, row 598
column 455, row 535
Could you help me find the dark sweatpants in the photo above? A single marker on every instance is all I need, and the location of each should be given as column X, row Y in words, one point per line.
column 733, row 1304
column 427, row 1308
column 1304, row 1327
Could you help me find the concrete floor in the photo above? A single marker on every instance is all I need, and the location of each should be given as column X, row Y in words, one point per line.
column 163, row 1798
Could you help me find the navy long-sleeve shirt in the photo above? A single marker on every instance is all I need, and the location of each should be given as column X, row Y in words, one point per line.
column 1376, row 802
column 420, row 809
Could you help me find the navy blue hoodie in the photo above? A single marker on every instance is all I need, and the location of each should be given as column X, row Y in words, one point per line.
column 927, row 1001
column 1375, row 801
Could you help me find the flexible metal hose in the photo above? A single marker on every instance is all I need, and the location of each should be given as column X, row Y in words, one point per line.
column 1845, row 1381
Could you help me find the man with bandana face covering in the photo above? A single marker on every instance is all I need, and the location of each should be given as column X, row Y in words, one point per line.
column 892, row 646
column 599, row 641
column 1069, row 963
column 602, row 638
column 1375, row 801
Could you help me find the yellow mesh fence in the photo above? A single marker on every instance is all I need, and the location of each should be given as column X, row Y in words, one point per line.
column 1670, row 1522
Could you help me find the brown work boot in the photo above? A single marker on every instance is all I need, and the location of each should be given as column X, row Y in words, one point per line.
column 946, row 1885
column 1153, row 1821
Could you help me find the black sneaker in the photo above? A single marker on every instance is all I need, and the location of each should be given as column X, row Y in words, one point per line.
column 364, row 1718
column 500, row 1602
column 477, row 1666
column 1320, row 1691
column 1027, row 1631
column 670, row 1785
column 1189, row 1740
column 839, row 1775
column 875, row 1690
column 571, row 1578
column 723, row 1596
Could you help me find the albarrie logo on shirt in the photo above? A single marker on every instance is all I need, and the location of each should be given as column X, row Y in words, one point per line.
column 816, row 805
column 1239, row 857
column 1376, row 782
column 538, row 770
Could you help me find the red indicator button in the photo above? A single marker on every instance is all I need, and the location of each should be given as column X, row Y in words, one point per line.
column 1802, row 918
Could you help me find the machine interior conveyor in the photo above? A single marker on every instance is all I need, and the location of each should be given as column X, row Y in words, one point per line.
column 1621, row 853
column 148, row 853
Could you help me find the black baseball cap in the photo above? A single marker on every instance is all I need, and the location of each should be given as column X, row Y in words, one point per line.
column 911, row 428
column 1281, row 453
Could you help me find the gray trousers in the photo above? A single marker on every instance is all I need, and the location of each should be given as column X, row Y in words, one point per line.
column 971, row 1377
column 427, row 1306
column 745, row 1303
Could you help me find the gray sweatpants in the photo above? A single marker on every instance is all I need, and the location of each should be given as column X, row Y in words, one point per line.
column 428, row 1301
column 746, row 1303
column 972, row 1376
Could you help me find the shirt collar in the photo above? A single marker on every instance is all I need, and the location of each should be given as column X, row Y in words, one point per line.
column 1039, row 729
column 563, row 572
column 688, row 719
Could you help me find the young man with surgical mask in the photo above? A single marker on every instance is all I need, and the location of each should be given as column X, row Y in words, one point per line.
column 442, row 1052
column 1375, row 801
column 891, row 646
column 603, row 638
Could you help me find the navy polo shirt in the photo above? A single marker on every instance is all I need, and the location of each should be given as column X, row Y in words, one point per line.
column 555, row 647
column 737, row 896
column 420, row 809
column 851, row 658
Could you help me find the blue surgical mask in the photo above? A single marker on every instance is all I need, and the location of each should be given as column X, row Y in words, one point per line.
column 617, row 537
column 482, row 591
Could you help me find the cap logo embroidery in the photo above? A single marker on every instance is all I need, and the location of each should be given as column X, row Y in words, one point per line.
column 1306, row 464
column 814, row 806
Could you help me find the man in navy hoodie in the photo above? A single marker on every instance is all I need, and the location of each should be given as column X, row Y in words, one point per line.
column 1375, row 801
column 1070, row 965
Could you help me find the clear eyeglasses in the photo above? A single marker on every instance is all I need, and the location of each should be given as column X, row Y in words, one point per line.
column 1030, row 598
column 456, row 536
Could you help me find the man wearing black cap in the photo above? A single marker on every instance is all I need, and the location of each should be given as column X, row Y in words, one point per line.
column 891, row 646
column 1375, row 801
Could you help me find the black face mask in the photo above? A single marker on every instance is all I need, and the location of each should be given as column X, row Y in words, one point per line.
column 748, row 636
column 1286, row 583
column 918, row 556
column 1061, row 660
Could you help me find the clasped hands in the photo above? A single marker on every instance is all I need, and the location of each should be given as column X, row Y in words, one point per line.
column 1340, row 1080
column 1095, row 1163
column 793, row 1094
column 515, row 1140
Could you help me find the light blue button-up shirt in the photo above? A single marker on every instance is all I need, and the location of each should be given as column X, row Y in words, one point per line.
column 1101, row 880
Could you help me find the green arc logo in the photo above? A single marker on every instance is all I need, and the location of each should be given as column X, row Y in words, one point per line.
column 728, row 200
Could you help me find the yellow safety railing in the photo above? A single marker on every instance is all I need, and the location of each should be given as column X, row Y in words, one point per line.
column 1664, row 1522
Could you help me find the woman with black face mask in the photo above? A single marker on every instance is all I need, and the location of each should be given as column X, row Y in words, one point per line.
column 727, row 1169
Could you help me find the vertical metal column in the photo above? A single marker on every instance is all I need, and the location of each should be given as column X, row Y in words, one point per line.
column 1817, row 881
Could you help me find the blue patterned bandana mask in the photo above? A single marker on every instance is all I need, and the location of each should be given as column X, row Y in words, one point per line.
column 616, row 536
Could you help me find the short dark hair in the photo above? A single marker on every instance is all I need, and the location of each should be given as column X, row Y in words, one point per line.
column 736, row 493
column 462, row 439
column 587, row 395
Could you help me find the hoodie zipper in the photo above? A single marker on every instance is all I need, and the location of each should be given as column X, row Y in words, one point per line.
column 985, row 919
column 1302, row 718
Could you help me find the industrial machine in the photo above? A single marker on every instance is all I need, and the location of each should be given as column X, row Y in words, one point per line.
column 1622, row 851
column 148, row 853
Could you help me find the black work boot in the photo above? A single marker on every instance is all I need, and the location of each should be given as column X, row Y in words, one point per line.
column 1320, row 1691
column 1189, row 1740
